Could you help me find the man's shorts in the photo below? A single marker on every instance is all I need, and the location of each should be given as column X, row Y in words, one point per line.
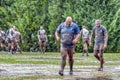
column 98, row 48
column 42, row 40
column 65, row 51
column 2, row 41
column 85, row 41
column 11, row 40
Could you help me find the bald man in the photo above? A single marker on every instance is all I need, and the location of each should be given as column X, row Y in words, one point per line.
column 70, row 34
column 100, row 34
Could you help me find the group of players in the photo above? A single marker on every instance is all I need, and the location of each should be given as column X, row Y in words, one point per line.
column 68, row 35
column 11, row 38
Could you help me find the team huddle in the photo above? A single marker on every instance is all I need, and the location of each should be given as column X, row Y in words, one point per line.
column 12, row 38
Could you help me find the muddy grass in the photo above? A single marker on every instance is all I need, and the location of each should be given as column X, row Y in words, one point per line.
column 35, row 66
column 80, row 72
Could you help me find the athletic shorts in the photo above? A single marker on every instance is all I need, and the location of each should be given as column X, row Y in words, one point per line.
column 42, row 40
column 98, row 48
column 11, row 40
column 65, row 51
column 85, row 41
column 2, row 41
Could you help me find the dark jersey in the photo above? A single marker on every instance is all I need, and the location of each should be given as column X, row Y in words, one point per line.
column 99, row 34
column 68, row 33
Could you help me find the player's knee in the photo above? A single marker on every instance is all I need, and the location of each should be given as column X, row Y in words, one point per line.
column 101, row 51
column 70, row 59
column 101, row 55
column 63, row 57
column 95, row 55
column 95, row 52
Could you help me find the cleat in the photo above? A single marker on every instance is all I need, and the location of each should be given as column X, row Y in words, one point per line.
column 100, row 69
column 61, row 73
column 71, row 72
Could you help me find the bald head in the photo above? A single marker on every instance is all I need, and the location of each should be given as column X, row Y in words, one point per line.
column 68, row 20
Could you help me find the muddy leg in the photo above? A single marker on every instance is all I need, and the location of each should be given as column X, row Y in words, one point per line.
column 63, row 61
column 71, row 60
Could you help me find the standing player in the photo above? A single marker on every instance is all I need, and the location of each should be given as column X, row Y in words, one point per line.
column 85, row 40
column 70, row 34
column 18, row 39
column 101, row 38
column 10, row 39
column 2, row 39
column 42, row 37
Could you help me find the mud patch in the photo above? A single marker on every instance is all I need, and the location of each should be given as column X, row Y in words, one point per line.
column 80, row 72
column 98, row 78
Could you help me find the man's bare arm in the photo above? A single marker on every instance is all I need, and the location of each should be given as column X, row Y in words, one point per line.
column 57, row 36
column 46, row 38
column 77, row 37
column 105, row 40
column 90, row 38
column 39, row 37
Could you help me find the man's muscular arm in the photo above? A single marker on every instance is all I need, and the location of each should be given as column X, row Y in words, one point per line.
column 77, row 37
column 57, row 36
column 105, row 40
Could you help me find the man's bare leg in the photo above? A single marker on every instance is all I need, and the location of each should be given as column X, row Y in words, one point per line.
column 85, row 49
column 9, row 47
column 71, row 61
column 101, row 58
column 63, row 62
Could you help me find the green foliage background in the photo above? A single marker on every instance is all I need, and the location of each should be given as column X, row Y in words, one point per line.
column 28, row 15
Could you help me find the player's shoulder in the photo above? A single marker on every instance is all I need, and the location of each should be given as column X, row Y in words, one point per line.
column 103, row 27
column 94, row 28
column 74, row 24
column 2, row 31
column 62, row 24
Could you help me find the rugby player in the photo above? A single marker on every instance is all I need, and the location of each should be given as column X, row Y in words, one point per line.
column 42, row 37
column 70, row 34
column 10, row 39
column 2, row 40
column 100, row 35
column 85, row 40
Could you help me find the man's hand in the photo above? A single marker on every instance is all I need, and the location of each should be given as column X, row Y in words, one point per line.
column 74, row 41
column 46, row 41
column 105, row 46
column 90, row 44
column 58, row 38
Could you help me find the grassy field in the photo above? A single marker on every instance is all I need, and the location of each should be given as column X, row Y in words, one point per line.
column 52, row 58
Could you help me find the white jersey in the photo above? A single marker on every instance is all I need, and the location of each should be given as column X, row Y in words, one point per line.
column 41, row 33
column 10, row 33
column 2, row 35
column 84, row 33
